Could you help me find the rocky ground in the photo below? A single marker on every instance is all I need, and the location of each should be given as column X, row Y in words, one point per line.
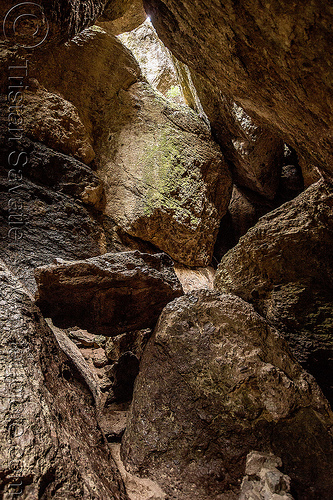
column 166, row 271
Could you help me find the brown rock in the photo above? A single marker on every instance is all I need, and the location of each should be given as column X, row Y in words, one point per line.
column 133, row 17
column 216, row 381
column 134, row 342
column 201, row 278
column 263, row 480
column 51, row 446
column 173, row 187
column 283, row 266
column 50, row 21
column 274, row 60
column 110, row 294
column 49, row 119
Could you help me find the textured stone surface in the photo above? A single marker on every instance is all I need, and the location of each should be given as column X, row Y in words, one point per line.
column 131, row 19
column 49, row 119
column 165, row 178
column 263, row 480
column 254, row 153
column 48, row 209
column 51, row 21
column 173, row 187
column 51, row 445
column 216, row 381
column 283, row 266
column 195, row 279
column 273, row 59
column 137, row 488
column 134, row 342
column 110, row 294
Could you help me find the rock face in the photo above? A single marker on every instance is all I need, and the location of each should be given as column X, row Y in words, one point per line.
column 216, row 381
column 49, row 119
column 50, row 206
column 283, row 266
column 273, row 60
column 173, row 188
column 110, row 294
column 254, row 153
column 51, row 446
column 52, row 21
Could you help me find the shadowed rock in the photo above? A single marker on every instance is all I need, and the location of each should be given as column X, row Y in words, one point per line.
column 110, row 294
column 51, row 445
column 284, row 267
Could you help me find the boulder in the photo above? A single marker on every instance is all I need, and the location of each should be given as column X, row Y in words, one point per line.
column 217, row 381
column 166, row 181
column 283, row 267
column 131, row 19
column 195, row 279
column 50, row 206
column 49, row 119
column 110, row 294
column 173, row 187
column 273, row 59
column 133, row 342
column 51, row 445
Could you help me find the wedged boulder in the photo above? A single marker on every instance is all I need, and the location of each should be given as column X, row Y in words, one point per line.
column 51, row 445
column 273, row 59
column 195, row 279
column 173, row 187
column 133, row 342
column 134, row 16
column 217, row 381
column 110, row 294
column 165, row 178
column 283, row 266
column 254, row 153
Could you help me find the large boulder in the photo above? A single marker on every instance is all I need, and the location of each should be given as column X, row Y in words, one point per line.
column 273, row 59
column 110, row 294
column 283, row 266
column 51, row 445
column 173, row 187
column 215, row 382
